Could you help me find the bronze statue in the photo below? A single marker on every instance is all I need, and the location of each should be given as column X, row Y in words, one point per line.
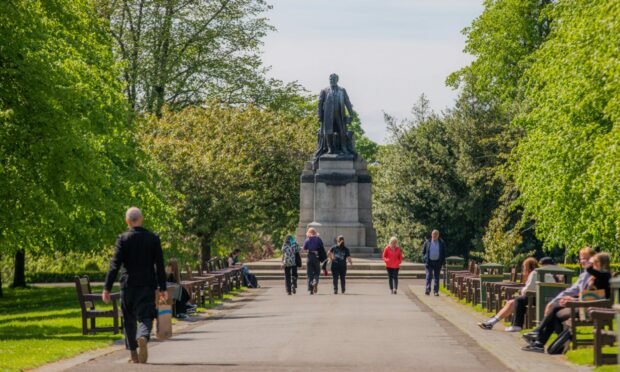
column 335, row 112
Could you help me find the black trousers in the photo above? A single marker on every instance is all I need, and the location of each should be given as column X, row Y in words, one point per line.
column 552, row 322
column 314, row 269
column 138, row 306
column 393, row 278
column 433, row 268
column 520, row 305
column 290, row 278
column 339, row 272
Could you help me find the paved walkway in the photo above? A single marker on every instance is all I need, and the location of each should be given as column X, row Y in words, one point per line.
column 506, row 346
column 368, row 329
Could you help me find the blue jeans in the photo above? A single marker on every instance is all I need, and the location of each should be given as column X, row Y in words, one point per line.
column 433, row 268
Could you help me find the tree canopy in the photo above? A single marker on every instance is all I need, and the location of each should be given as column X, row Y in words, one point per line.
column 68, row 166
column 236, row 168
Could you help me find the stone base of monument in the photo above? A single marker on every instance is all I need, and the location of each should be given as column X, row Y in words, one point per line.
column 336, row 200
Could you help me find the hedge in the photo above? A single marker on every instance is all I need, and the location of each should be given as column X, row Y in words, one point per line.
column 615, row 267
column 48, row 277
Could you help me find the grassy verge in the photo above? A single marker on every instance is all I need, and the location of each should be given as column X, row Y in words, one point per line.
column 42, row 325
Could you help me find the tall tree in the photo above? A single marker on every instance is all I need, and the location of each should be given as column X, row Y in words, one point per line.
column 179, row 52
column 67, row 163
column 502, row 39
column 237, row 169
column 566, row 167
column 417, row 186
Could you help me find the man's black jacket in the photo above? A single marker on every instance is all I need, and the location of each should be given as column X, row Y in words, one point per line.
column 426, row 251
column 140, row 259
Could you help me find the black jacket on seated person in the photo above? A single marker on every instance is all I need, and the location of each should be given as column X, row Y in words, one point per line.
column 139, row 258
column 599, row 280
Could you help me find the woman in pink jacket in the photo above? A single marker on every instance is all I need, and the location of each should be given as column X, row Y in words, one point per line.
column 393, row 256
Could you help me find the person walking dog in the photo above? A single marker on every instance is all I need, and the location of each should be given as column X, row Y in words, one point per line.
column 393, row 257
column 433, row 253
column 140, row 259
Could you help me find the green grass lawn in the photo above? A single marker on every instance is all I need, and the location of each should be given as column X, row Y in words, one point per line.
column 41, row 325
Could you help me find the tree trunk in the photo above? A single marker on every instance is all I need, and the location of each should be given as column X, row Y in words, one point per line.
column 205, row 249
column 1, row 293
column 19, row 279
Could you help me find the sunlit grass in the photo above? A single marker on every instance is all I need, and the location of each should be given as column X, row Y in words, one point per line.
column 42, row 325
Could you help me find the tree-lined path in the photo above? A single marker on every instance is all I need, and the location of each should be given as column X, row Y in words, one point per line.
column 367, row 329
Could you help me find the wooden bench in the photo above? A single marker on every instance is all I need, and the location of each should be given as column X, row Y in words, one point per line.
column 207, row 287
column 574, row 321
column 237, row 273
column 454, row 285
column 218, row 286
column 87, row 303
column 496, row 291
column 191, row 286
column 215, row 267
column 602, row 318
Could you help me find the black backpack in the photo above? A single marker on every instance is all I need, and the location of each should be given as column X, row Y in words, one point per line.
column 561, row 344
column 250, row 281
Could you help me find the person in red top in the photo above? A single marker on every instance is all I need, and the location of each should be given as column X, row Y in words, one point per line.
column 393, row 257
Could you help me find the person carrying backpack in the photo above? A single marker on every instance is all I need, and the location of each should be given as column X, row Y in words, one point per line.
column 339, row 256
column 290, row 251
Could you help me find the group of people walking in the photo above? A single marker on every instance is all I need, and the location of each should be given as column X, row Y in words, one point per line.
column 139, row 259
column 339, row 256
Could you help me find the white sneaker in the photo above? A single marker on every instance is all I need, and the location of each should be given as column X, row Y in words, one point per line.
column 512, row 329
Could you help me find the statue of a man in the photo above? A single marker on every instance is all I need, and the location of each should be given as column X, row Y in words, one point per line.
column 333, row 101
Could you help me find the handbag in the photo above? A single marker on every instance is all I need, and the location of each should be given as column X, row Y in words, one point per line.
column 589, row 295
column 164, row 321
column 298, row 259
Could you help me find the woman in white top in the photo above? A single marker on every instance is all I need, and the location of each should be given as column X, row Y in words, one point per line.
column 518, row 304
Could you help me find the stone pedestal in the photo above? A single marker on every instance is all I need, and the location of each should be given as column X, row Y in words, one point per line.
column 336, row 200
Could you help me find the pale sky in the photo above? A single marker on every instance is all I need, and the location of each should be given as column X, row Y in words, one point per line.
column 386, row 52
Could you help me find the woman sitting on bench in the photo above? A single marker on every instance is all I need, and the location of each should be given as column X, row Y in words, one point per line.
column 518, row 304
column 182, row 306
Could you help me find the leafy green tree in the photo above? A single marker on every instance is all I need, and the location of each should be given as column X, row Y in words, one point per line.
column 502, row 39
column 566, row 167
column 417, row 187
column 364, row 146
column 236, row 169
column 68, row 167
column 179, row 52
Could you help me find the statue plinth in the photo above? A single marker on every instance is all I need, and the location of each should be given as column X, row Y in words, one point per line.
column 336, row 200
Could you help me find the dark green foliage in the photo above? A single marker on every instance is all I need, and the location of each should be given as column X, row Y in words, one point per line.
column 417, row 188
column 63, row 277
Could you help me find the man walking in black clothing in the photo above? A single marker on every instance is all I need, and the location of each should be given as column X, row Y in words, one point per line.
column 140, row 259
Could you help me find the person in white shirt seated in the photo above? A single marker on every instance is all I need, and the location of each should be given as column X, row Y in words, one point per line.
column 517, row 305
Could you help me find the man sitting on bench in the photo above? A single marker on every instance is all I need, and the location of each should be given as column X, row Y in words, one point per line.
column 556, row 312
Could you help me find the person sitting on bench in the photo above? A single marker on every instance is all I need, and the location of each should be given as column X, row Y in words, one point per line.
column 518, row 304
column 555, row 311
column 182, row 306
